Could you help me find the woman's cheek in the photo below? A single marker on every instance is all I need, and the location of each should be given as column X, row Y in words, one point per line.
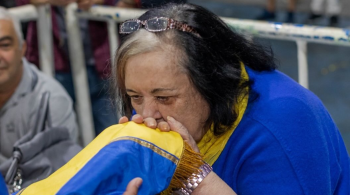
column 136, row 108
column 168, row 108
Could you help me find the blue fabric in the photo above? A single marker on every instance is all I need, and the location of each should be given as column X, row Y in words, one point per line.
column 3, row 188
column 118, row 163
column 285, row 144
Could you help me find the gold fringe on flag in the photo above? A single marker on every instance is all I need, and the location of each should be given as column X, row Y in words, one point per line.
column 188, row 164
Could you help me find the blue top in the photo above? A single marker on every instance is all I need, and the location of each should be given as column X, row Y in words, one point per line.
column 286, row 143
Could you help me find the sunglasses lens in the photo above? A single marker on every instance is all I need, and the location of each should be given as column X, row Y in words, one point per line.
column 130, row 26
column 157, row 24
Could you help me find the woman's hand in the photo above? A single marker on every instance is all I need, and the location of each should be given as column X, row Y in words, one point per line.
column 133, row 186
column 212, row 184
column 182, row 130
column 170, row 124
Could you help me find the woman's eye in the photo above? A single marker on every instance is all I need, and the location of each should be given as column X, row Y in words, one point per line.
column 136, row 99
column 162, row 98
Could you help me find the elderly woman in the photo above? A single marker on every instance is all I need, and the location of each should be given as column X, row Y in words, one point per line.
column 182, row 69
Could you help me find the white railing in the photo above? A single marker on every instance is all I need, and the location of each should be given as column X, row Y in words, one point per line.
column 301, row 34
column 42, row 14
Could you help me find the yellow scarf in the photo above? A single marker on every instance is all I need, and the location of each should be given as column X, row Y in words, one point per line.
column 211, row 146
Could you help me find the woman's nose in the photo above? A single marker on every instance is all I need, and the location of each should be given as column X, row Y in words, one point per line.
column 150, row 109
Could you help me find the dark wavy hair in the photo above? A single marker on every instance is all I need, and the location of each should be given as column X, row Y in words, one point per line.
column 211, row 60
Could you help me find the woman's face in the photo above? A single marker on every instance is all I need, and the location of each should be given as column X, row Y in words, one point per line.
column 159, row 88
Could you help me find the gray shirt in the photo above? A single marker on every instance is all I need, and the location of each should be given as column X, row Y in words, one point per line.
column 18, row 115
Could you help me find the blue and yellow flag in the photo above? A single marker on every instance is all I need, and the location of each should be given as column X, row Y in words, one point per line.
column 119, row 154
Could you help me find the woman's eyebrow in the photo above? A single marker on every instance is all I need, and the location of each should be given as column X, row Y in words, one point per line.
column 153, row 91
column 130, row 90
column 161, row 90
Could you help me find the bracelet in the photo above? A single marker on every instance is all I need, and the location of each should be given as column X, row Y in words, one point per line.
column 194, row 180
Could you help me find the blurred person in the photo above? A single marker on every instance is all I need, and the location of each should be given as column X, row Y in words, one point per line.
column 7, row 3
column 97, row 55
column 21, row 87
column 332, row 8
column 269, row 12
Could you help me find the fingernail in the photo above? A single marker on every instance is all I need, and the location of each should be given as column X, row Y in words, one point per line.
column 169, row 118
column 164, row 127
column 138, row 184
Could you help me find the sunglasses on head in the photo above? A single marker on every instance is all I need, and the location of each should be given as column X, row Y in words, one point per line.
column 156, row 24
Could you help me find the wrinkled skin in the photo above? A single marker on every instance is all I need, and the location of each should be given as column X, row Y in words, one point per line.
column 163, row 96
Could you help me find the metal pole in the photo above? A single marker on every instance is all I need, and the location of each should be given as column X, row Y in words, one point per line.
column 81, row 87
column 302, row 63
column 44, row 26
column 113, row 45
column 294, row 32
column 113, row 39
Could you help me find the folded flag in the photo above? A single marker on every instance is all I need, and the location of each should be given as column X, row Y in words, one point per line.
column 119, row 154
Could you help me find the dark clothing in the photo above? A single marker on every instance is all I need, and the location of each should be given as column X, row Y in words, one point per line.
column 7, row 3
column 99, row 43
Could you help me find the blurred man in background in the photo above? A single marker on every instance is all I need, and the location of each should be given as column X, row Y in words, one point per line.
column 97, row 55
column 22, row 86
column 269, row 12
